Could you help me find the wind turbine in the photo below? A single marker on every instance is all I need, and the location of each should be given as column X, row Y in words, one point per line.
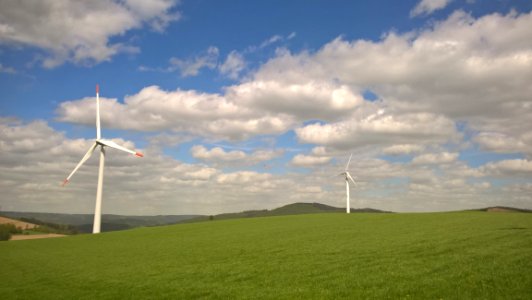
column 347, row 178
column 99, row 143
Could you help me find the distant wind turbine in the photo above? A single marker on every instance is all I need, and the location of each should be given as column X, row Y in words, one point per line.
column 101, row 143
column 347, row 178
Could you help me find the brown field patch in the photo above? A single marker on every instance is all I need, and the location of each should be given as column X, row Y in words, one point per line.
column 17, row 223
column 500, row 209
column 19, row 237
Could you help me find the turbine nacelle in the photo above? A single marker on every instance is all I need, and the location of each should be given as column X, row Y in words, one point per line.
column 114, row 145
column 347, row 177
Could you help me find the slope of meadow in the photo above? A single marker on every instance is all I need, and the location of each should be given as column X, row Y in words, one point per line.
column 460, row 255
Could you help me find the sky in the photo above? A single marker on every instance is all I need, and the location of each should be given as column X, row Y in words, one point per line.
column 241, row 105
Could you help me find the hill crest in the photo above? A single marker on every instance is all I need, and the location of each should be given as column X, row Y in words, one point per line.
column 505, row 209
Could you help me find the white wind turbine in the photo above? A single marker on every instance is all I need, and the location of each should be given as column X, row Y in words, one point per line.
column 347, row 178
column 101, row 143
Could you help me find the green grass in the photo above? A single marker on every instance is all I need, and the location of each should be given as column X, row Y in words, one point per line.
column 466, row 255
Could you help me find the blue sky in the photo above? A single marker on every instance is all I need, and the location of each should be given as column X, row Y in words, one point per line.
column 246, row 105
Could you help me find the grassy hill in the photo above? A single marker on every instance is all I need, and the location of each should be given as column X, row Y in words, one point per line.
column 290, row 209
column 461, row 255
column 505, row 209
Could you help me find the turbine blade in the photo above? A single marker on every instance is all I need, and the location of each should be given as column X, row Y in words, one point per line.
column 347, row 166
column 83, row 160
column 114, row 145
column 98, row 132
column 350, row 178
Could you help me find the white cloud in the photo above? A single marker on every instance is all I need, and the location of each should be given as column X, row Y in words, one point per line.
column 276, row 38
column 503, row 143
column 216, row 153
column 169, row 140
column 156, row 13
column 442, row 70
column 192, row 66
column 403, row 149
column 305, row 100
column 219, row 156
column 427, row 7
column 242, row 177
column 202, row 114
column 265, row 155
column 271, row 40
column 435, row 158
column 433, row 70
column 35, row 159
column 302, row 160
column 435, row 87
column 73, row 31
column 202, row 174
column 245, row 110
column 380, row 129
column 233, row 65
column 424, row 87
column 510, row 167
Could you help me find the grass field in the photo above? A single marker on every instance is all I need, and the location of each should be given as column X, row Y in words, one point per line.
column 464, row 255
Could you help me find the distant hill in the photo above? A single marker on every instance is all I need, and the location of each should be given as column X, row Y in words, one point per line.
column 504, row 209
column 83, row 222
column 290, row 209
column 313, row 208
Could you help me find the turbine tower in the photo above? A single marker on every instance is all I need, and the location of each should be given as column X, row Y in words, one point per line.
column 99, row 143
column 347, row 178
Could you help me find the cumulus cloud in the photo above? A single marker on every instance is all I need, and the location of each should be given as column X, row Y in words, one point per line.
column 169, row 140
column 429, row 81
column 510, row 167
column 302, row 160
column 306, row 100
column 433, row 70
column 216, row 153
column 35, row 159
column 427, row 7
column 242, row 177
column 503, row 143
column 73, row 31
column 219, row 156
column 456, row 78
column 180, row 111
column 435, row 158
column 403, row 149
column 443, row 70
column 380, row 129
column 243, row 111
